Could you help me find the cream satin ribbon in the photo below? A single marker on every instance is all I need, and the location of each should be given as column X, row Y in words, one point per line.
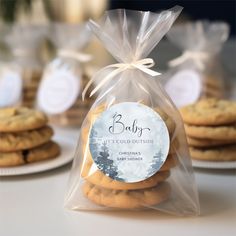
column 198, row 56
column 81, row 57
column 143, row 65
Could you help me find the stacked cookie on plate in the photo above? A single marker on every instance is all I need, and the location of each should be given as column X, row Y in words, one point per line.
column 105, row 191
column 210, row 126
column 25, row 137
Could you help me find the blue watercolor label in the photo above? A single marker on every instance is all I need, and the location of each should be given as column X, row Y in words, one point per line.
column 129, row 142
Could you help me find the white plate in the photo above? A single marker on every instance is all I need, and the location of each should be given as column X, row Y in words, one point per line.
column 214, row 164
column 67, row 152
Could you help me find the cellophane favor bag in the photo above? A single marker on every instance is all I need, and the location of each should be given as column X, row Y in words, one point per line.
column 132, row 151
column 10, row 81
column 23, row 72
column 65, row 76
column 198, row 72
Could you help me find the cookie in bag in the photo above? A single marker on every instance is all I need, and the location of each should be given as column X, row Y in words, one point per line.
column 132, row 151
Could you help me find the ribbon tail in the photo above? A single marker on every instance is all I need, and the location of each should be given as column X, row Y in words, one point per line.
column 176, row 61
column 141, row 87
column 81, row 57
column 147, row 71
column 85, row 57
column 200, row 64
column 92, row 80
column 87, row 87
column 106, row 79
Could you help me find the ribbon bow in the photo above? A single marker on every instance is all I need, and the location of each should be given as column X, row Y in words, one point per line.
column 143, row 65
column 198, row 56
column 81, row 57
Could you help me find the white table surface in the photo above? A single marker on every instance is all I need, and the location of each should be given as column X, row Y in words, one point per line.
column 32, row 205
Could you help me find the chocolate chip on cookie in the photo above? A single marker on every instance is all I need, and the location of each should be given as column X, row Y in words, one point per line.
column 46, row 151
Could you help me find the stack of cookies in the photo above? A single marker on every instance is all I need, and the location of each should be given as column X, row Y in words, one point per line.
column 105, row 191
column 75, row 115
column 25, row 137
column 210, row 126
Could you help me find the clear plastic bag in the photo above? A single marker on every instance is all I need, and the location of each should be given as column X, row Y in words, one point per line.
column 25, row 65
column 10, row 82
column 132, row 151
column 65, row 77
column 11, row 85
column 198, row 72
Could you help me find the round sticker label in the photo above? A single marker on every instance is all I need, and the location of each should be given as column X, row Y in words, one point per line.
column 10, row 88
column 129, row 142
column 58, row 91
column 184, row 87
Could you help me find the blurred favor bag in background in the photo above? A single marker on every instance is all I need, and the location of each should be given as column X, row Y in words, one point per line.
column 10, row 80
column 23, row 72
column 132, row 151
column 198, row 72
column 11, row 85
column 65, row 77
